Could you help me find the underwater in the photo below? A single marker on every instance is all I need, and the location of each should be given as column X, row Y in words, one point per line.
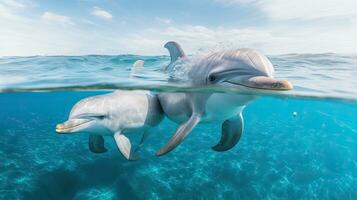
column 296, row 144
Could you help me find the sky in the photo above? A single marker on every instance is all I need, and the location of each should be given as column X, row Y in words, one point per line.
column 81, row 27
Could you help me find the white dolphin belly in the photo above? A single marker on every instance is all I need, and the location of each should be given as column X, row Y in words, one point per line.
column 222, row 106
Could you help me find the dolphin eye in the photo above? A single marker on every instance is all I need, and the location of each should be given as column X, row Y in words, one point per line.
column 212, row 78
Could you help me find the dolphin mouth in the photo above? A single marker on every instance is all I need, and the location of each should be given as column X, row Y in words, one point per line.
column 73, row 125
column 265, row 83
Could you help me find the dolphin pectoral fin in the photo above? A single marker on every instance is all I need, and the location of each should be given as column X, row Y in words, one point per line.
column 231, row 132
column 124, row 146
column 96, row 144
column 179, row 135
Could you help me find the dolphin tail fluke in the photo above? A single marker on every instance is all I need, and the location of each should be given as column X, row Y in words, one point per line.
column 138, row 65
column 175, row 50
column 124, row 146
column 96, row 144
column 179, row 135
column 231, row 132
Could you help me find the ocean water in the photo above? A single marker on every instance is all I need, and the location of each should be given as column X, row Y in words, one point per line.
column 300, row 144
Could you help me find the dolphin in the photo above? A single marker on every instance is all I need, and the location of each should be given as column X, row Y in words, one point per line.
column 240, row 68
column 116, row 114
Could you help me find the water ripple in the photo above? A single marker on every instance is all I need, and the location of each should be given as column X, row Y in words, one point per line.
column 313, row 75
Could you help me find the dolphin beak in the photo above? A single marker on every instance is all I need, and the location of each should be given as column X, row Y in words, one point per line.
column 267, row 83
column 60, row 128
column 73, row 125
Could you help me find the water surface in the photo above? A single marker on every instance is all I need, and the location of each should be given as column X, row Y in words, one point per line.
column 311, row 154
column 313, row 75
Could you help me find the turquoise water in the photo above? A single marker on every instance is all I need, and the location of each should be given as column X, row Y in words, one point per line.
column 309, row 155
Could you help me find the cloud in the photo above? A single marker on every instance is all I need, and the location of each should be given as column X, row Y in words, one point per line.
column 9, row 8
column 21, row 35
column 193, row 38
column 13, row 3
column 99, row 12
column 306, row 9
column 39, row 38
column 164, row 20
column 233, row 2
column 273, row 40
column 50, row 16
column 299, row 9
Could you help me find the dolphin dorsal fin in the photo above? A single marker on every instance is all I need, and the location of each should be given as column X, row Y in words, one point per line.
column 137, row 66
column 175, row 50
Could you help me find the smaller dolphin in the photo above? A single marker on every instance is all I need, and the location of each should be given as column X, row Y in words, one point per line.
column 115, row 114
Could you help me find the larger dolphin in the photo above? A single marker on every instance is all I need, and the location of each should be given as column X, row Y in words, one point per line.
column 244, row 68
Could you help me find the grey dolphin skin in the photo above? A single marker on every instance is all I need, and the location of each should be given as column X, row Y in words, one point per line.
column 240, row 68
column 121, row 113
column 116, row 114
